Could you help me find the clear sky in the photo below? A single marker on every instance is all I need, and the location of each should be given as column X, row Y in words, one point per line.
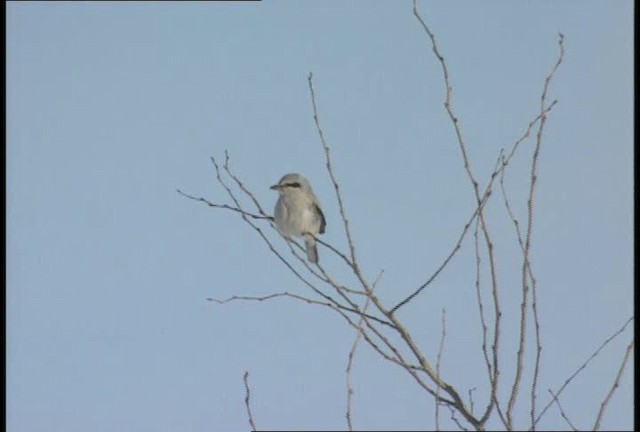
column 111, row 106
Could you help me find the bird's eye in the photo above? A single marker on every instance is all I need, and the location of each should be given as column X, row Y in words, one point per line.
column 294, row 184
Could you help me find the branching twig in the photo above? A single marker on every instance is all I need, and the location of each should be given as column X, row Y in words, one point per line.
column 526, row 261
column 583, row 366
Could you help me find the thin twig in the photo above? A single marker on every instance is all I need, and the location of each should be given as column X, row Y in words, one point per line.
column 455, row 420
column 336, row 251
column 562, row 413
column 241, row 185
column 247, row 400
column 614, row 387
column 345, row 221
column 223, row 206
column 352, row 353
column 455, row 249
column 440, row 348
column 471, row 390
column 332, row 305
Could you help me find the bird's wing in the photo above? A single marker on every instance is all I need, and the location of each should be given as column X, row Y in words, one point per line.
column 280, row 213
column 323, row 222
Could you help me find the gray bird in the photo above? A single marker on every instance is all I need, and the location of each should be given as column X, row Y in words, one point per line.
column 298, row 212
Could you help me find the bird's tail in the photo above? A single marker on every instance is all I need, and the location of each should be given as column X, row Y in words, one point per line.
column 312, row 250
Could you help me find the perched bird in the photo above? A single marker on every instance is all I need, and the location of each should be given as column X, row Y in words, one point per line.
column 298, row 212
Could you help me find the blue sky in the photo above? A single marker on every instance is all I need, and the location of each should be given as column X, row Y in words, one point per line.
column 111, row 106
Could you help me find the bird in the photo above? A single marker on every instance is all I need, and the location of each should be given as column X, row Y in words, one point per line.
column 298, row 212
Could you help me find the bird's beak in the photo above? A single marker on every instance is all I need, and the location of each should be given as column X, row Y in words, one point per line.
column 275, row 187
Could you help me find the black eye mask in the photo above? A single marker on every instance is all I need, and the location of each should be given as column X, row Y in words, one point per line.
column 294, row 184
